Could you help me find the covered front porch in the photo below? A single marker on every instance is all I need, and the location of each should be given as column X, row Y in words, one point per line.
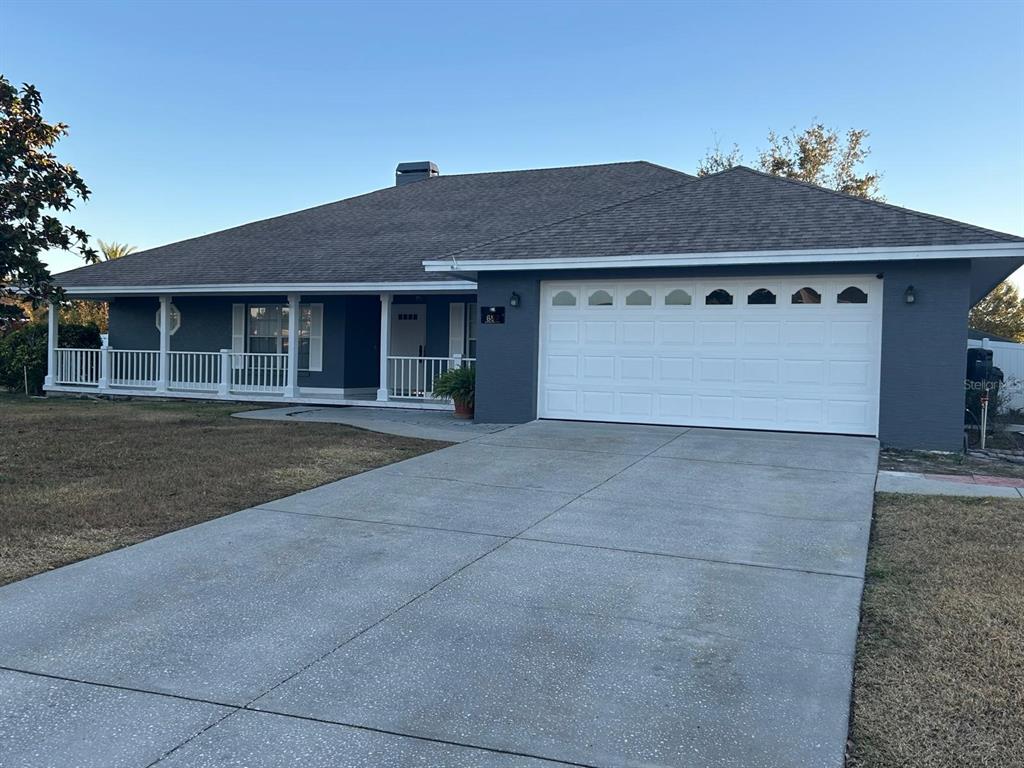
column 384, row 348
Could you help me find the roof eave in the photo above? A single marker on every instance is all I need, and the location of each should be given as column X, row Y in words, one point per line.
column 798, row 256
column 250, row 289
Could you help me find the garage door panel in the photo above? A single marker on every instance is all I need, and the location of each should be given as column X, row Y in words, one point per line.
column 718, row 332
column 759, row 371
column 675, row 369
column 717, row 371
column 667, row 357
column 637, row 405
column 761, row 332
column 638, row 332
column 636, row 368
column 676, row 332
column 563, row 331
column 596, row 332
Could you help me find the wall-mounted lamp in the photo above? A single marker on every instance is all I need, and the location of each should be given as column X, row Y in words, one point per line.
column 513, row 300
column 909, row 296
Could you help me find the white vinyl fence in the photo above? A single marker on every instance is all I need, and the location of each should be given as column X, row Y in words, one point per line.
column 1009, row 358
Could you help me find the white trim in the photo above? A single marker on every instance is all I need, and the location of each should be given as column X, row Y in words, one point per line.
column 415, row 405
column 456, row 328
column 52, row 318
column 426, row 286
column 385, row 343
column 975, row 251
column 292, row 387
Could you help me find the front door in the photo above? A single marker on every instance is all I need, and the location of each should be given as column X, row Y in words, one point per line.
column 408, row 330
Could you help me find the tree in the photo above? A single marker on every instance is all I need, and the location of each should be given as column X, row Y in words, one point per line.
column 34, row 186
column 112, row 251
column 1001, row 313
column 94, row 312
column 818, row 155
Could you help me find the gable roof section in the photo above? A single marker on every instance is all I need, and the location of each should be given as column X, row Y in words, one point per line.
column 382, row 236
column 736, row 211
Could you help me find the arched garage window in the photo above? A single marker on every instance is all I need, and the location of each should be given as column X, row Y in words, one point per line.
column 638, row 298
column 600, row 298
column 564, row 299
column 806, row 296
column 677, row 298
column 761, row 296
column 852, row 295
column 719, row 296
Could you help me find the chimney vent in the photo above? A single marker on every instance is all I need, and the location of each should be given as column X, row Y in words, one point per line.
column 406, row 173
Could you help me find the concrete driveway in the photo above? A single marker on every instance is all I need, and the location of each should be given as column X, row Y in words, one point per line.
column 552, row 594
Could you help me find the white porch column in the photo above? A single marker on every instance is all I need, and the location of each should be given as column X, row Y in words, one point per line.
column 51, row 345
column 291, row 388
column 385, row 344
column 104, row 382
column 165, row 343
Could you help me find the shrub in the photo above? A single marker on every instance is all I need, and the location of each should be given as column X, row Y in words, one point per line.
column 458, row 385
column 24, row 351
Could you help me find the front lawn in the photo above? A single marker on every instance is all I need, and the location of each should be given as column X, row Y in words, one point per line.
column 81, row 477
column 940, row 658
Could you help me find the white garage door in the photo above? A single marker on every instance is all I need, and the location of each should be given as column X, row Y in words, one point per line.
column 797, row 354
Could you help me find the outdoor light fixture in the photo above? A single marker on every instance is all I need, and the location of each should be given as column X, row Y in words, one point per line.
column 908, row 295
column 513, row 300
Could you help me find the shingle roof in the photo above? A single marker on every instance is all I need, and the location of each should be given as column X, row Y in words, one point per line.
column 385, row 235
column 736, row 210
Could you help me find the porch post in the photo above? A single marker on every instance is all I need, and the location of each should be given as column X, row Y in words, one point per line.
column 165, row 342
column 51, row 345
column 104, row 381
column 292, row 384
column 385, row 344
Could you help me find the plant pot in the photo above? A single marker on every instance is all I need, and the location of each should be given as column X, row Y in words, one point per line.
column 463, row 411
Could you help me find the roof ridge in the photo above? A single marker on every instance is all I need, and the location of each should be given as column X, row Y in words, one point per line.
column 559, row 168
column 876, row 203
column 452, row 254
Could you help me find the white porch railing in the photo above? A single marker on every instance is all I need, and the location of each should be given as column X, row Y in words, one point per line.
column 194, row 371
column 413, row 377
column 262, row 372
column 136, row 368
column 78, row 367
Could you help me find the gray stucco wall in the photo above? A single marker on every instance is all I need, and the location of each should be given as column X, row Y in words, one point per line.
column 923, row 345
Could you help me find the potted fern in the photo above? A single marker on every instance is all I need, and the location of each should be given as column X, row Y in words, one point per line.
column 459, row 386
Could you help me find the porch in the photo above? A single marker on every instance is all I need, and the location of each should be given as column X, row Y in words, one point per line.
column 345, row 354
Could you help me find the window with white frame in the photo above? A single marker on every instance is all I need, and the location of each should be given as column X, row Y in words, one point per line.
column 471, row 330
column 267, row 331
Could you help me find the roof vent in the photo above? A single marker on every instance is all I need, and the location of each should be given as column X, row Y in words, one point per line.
column 406, row 173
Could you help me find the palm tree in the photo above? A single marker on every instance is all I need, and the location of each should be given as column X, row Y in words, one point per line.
column 113, row 251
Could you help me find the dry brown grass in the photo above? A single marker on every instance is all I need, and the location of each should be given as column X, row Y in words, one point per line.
column 78, row 478
column 947, row 463
column 940, row 658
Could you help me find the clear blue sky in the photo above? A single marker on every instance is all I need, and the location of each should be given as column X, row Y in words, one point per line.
column 190, row 117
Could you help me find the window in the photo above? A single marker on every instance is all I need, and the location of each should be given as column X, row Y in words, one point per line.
column 267, row 331
column 175, row 319
column 638, row 298
column 677, row 298
column 852, row 295
column 761, row 296
column 600, row 299
column 471, row 328
column 719, row 296
column 806, row 296
column 564, row 299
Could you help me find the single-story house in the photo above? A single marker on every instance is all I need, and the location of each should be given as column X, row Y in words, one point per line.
column 626, row 292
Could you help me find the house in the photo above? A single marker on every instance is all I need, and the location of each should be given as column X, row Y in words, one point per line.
column 625, row 292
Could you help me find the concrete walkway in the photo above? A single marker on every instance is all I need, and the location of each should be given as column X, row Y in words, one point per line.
column 890, row 481
column 405, row 422
column 552, row 594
